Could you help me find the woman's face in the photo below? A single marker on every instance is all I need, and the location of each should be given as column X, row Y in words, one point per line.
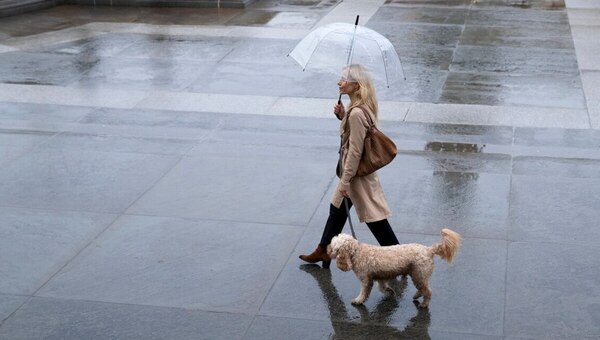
column 347, row 87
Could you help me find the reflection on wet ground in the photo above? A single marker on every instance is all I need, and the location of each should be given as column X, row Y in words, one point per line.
column 373, row 322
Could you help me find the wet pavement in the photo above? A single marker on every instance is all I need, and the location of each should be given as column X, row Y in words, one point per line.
column 162, row 169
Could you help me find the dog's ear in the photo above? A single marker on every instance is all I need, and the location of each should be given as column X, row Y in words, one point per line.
column 343, row 261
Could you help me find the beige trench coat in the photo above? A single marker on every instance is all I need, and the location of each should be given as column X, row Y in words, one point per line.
column 365, row 192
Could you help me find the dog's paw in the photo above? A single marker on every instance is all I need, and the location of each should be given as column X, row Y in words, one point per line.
column 357, row 301
column 424, row 305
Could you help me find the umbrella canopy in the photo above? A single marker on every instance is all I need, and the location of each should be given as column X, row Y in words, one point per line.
column 331, row 47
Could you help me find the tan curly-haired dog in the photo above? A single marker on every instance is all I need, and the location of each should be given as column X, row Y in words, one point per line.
column 383, row 263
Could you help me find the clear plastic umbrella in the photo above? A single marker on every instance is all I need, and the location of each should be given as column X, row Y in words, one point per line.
column 331, row 47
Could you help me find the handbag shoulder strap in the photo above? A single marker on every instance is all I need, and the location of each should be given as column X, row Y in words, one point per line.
column 363, row 108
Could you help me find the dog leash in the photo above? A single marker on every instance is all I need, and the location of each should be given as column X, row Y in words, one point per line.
column 349, row 218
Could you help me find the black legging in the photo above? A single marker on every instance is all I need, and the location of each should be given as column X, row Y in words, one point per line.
column 337, row 219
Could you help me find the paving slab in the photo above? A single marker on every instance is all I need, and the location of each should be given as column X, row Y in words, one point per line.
column 557, row 143
column 39, row 117
column 180, row 47
column 42, row 318
column 499, row 115
column 519, row 17
column 81, row 180
column 221, row 186
column 552, row 290
column 421, row 14
column 399, row 34
column 584, row 17
column 591, row 85
column 206, row 102
column 532, row 90
column 512, row 60
column 46, row 239
column 586, row 44
column 101, row 45
column 582, row 4
column 543, row 209
column 14, row 144
column 179, row 126
column 261, row 51
column 43, row 69
column 283, row 78
column 548, row 36
column 9, row 304
column 193, row 264
column 91, row 97
column 143, row 74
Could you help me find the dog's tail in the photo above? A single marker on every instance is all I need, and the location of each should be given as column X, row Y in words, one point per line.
column 449, row 246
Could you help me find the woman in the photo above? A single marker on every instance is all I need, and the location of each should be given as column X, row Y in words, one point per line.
column 364, row 192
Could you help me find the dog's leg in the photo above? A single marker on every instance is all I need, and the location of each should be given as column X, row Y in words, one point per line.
column 385, row 288
column 366, row 284
column 422, row 290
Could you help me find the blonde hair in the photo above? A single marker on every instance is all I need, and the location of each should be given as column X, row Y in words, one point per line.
column 366, row 92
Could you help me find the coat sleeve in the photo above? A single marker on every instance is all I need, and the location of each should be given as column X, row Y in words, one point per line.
column 358, row 130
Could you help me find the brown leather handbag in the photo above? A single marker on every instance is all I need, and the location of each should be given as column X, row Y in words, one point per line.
column 379, row 151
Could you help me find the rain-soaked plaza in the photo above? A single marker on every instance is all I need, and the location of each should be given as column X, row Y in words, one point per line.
column 161, row 169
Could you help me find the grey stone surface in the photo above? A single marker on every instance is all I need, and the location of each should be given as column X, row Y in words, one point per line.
column 103, row 45
column 398, row 34
column 80, row 179
column 586, row 44
column 10, row 303
column 261, row 51
column 421, row 14
column 42, row 318
column 582, row 4
column 205, row 49
column 223, row 185
column 37, row 117
column 190, row 136
column 475, row 203
column 473, row 88
column 35, row 244
column 43, row 69
column 581, row 16
column 554, row 293
column 518, row 61
column 559, row 167
column 518, row 17
column 523, row 37
column 14, row 144
column 554, row 209
column 558, row 143
column 282, row 79
column 148, row 123
column 179, row 263
column 591, row 85
column 144, row 74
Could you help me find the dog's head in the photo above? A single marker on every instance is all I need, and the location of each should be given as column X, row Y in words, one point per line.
column 342, row 248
